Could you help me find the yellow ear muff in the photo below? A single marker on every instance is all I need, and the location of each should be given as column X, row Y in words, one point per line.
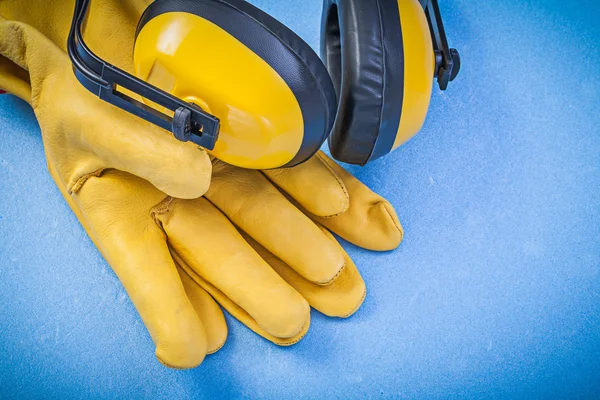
column 192, row 58
column 419, row 65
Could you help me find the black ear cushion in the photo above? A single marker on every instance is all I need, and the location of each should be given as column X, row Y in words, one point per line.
column 292, row 58
column 361, row 44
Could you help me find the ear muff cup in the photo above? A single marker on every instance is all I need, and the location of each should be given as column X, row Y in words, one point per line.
column 362, row 46
column 277, row 45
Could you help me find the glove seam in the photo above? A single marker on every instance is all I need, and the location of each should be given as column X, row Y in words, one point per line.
column 291, row 342
column 76, row 187
column 346, row 204
column 400, row 230
column 174, row 367
column 362, row 299
column 218, row 348
column 161, row 208
column 329, row 282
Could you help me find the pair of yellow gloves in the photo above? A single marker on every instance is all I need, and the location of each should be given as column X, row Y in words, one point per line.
column 182, row 232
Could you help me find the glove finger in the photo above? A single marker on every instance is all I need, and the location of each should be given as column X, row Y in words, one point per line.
column 342, row 298
column 252, row 203
column 209, row 312
column 207, row 242
column 369, row 222
column 115, row 211
column 314, row 185
column 111, row 137
column 14, row 79
column 181, row 170
column 238, row 312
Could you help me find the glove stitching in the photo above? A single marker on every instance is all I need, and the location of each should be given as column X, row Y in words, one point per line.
column 161, row 208
column 394, row 222
column 346, row 204
column 342, row 268
column 292, row 342
column 174, row 367
column 362, row 299
column 217, row 349
column 82, row 180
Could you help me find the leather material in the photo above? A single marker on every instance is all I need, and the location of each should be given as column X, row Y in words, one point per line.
column 175, row 257
column 87, row 143
column 286, row 52
column 361, row 44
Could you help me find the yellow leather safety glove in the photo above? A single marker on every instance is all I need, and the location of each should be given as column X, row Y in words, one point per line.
column 131, row 223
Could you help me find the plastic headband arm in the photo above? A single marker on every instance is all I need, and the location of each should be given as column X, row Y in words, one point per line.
column 189, row 122
column 447, row 60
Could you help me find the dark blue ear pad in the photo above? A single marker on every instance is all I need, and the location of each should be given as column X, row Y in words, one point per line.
column 361, row 44
column 292, row 58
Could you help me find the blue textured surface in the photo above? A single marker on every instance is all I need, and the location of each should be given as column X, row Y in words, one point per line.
column 494, row 293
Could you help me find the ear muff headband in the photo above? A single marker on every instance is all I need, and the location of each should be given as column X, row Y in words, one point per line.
column 281, row 49
column 185, row 121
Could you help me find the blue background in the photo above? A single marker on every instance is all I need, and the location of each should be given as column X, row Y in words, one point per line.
column 494, row 293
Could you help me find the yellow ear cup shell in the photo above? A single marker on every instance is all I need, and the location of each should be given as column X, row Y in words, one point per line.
column 192, row 58
column 419, row 65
